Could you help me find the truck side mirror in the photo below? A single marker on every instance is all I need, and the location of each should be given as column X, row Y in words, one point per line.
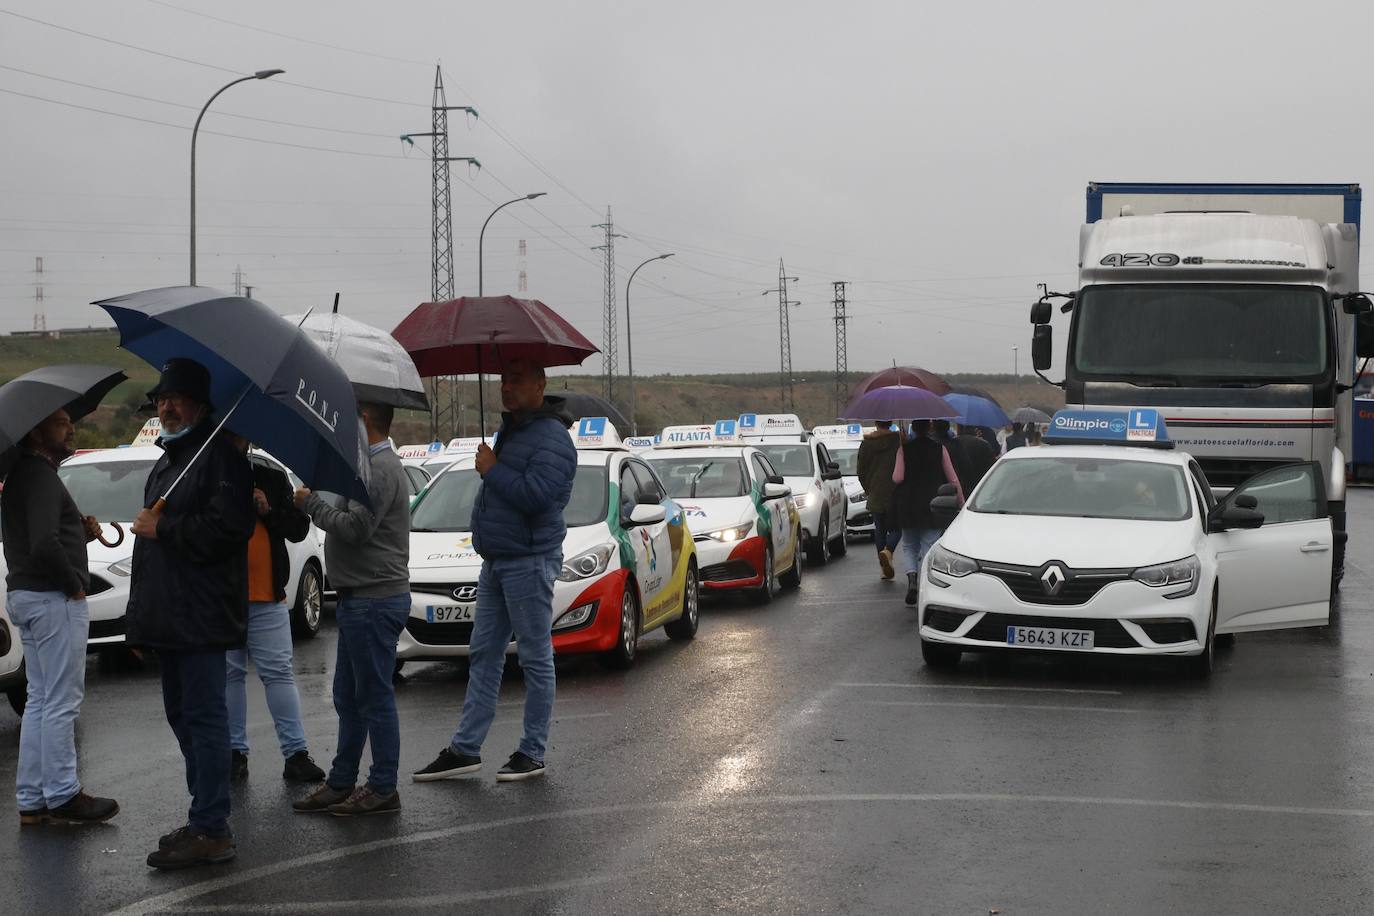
column 1040, row 312
column 1042, row 347
column 1364, row 335
column 1357, row 304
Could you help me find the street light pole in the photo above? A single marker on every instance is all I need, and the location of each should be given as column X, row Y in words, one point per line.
column 629, row 341
column 1016, row 372
column 259, row 75
column 481, row 235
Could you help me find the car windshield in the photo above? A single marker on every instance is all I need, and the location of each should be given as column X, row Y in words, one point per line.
column 847, row 458
column 112, row 491
column 1085, row 488
column 1249, row 334
column 702, row 478
column 793, row 460
column 448, row 502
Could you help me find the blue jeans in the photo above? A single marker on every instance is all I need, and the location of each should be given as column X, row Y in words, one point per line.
column 269, row 646
column 885, row 534
column 53, row 631
column 514, row 596
column 916, row 542
column 363, row 693
column 193, row 695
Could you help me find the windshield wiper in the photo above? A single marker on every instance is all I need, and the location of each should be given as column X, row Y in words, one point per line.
column 697, row 476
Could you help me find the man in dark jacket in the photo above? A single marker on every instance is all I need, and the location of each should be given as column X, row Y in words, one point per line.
column 1017, row 439
column 963, row 466
column 927, row 467
column 981, row 454
column 876, row 460
column 45, row 550
column 518, row 529
column 269, row 627
column 188, row 599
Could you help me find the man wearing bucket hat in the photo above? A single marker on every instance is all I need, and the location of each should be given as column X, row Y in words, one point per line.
column 188, row 598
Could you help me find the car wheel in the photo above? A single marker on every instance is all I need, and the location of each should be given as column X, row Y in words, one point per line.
column 1200, row 666
column 818, row 547
column 939, row 655
column 765, row 592
column 622, row 655
column 840, row 546
column 685, row 627
column 309, row 607
column 792, row 578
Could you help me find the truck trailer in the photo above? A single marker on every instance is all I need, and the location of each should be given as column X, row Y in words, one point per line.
column 1231, row 308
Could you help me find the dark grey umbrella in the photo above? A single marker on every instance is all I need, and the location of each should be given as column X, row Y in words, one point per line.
column 27, row 400
column 579, row 405
column 1029, row 415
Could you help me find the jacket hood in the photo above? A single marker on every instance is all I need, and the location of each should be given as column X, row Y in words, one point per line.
column 553, row 407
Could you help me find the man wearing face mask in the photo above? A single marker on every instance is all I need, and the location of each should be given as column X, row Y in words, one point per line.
column 188, row 599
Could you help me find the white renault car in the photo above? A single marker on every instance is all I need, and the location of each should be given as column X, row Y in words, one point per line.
column 109, row 485
column 1094, row 546
column 747, row 532
column 813, row 477
column 843, row 441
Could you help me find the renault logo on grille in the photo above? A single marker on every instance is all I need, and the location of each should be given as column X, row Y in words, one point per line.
column 1052, row 579
column 465, row 592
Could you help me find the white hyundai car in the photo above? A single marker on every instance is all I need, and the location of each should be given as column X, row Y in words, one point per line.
column 109, row 485
column 1123, row 550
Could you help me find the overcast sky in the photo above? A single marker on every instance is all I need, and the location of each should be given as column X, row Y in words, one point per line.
column 934, row 155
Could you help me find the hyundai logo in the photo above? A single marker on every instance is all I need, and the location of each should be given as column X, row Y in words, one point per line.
column 1052, row 580
column 465, row 592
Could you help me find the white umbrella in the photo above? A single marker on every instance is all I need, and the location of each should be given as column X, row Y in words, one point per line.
column 379, row 368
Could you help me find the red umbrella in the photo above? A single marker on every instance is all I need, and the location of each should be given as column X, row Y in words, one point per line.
column 477, row 334
column 911, row 376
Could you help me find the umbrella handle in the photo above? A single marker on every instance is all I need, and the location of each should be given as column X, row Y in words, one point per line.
column 119, row 531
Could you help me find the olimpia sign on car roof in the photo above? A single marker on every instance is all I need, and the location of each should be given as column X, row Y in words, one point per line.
column 1137, row 426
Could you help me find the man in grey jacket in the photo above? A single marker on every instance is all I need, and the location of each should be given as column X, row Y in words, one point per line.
column 368, row 557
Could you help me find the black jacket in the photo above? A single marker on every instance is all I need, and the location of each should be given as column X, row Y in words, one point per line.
column 189, row 588
column 44, row 537
column 925, row 473
column 284, row 522
column 981, row 455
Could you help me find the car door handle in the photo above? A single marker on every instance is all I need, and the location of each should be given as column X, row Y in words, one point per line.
column 1314, row 547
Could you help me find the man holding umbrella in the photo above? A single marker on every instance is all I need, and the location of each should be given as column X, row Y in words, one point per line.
column 45, row 549
column 188, row 598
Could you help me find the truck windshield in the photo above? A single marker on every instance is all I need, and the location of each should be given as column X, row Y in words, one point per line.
column 1255, row 334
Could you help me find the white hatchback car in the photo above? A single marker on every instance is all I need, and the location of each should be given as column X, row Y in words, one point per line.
column 109, row 485
column 12, row 680
column 1124, row 551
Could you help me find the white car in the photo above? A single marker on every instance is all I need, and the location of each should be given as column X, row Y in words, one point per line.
column 807, row 469
column 1117, row 550
column 109, row 485
column 629, row 561
column 747, row 531
column 843, row 443
column 12, row 680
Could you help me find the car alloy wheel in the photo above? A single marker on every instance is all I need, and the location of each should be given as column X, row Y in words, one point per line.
column 685, row 627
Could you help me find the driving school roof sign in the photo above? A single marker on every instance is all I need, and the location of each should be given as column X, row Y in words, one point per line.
column 595, row 432
column 770, row 424
column 839, row 433
column 1138, row 426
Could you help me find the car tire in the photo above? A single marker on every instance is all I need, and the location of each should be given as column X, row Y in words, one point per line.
column 818, row 547
column 309, row 606
column 685, row 627
column 622, row 654
column 765, row 593
column 792, row 578
column 940, row 655
column 840, row 546
column 1200, row 666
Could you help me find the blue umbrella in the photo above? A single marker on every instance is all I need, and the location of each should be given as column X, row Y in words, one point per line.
column 269, row 382
column 978, row 411
column 898, row 402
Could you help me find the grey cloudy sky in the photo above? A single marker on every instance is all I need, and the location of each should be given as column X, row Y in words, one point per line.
column 932, row 154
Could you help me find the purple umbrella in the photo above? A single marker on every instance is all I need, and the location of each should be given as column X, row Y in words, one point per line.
column 898, row 402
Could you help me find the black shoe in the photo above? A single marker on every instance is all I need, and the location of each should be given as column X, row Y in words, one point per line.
column 913, row 588
column 365, row 801
column 238, row 766
column 84, row 809
column 300, row 768
column 448, row 765
column 519, row 766
column 170, row 839
column 187, row 848
column 33, row 816
column 318, row 802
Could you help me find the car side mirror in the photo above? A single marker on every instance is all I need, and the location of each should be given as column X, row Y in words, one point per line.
column 1040, row 312
column 1246, row 501
column 775, row 478
column 1042, row 347
column 776, row 490
column 646, row 498
column 1235, row 516
column 1357, row 304
column 832, row 472
column 944, row 509
column 647, row 515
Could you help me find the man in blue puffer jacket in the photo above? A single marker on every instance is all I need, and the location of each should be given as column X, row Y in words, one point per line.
column 517, row 528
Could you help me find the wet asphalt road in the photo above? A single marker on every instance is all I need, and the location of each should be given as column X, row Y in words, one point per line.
column 793, row 759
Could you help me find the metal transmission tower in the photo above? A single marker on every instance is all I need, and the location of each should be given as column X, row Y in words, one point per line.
column 610, row 336
column 788, row 395
column 443, row 410
column 841, row 344
column 40, row 317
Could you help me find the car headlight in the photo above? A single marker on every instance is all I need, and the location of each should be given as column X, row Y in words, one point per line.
column 588, row 563
column 730, row 535
column 858, row 497
column 803, row 500
column 124, row 567
column 575, row 617
column 949, row 563
column 1182, row 575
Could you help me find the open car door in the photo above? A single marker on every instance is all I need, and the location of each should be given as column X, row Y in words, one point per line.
column 1279, row 574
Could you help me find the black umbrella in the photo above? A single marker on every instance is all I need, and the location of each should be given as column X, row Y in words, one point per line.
column 578, row 405
column 27, row 400
column 268, row 381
